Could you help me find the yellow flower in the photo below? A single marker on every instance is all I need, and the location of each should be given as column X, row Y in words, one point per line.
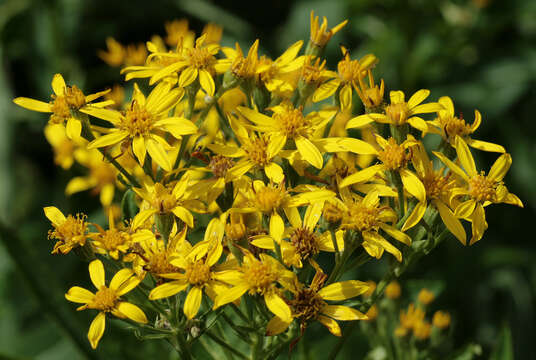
column 399, row 112
column 304, row 243
column 260, row 277
column 192, row 63
column 320, row 34
column 177, row 30
column 70, row 232
column 412, row 317
column 288, row 123
column 112, row 241
column 480, row 189
column 64, row 148
column 449, row 126
column 107, row 299
column 393, row 290
column 309, row 303
column 115, row 54
column 441, row 319
column 65, row 100
column 371, row 95
column 438, row 187
column 395, row 158
column 241, row 67
column 200, row 272
column 366, row 216
column 425, row 296
column 142, row 122
column 272, row 73
column 348, row 74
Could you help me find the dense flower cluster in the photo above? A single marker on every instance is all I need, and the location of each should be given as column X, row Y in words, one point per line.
column 280, row 163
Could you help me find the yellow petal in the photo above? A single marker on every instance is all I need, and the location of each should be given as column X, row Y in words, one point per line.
column 185, row 215
column 465, row 156
column 206, row 81
column 359, row 121
column 331, row 324
column 479, row 224
column 500, row 167
column 465, row 209
column 108, row 139
column 415, row 216
column 345, row 97
column 362, row 176
column 277, row 227
column 447, row 104
column 418, row 98
column 343, row 313
column 484, row 145
column 309, row 152
column 139, row 149
column 263, row 242
column 312, row 215
column 168, row 70
column 357, row 146
column 55, row 216
column 396, row 234
column 452, row 166
column 193, row 302
column 128, row 284
column 225, row 150
column 79, row 295
column 112, row 116
column 276, row 326
column 326, row 90
column 96, row 329
column 396, row 96
column 187, row 76
column 230, row 295
column 73, row 128
column 167, row 289
column 418, row 123
column 158, row 154
column 413, row 185
column 343, row 290
column 120, row 277
column 278, row 306
column 132, row 312
column 426, row 108
column 257, row 117
column 34, row 105
column 58, row 84
column 274, row 172
column 451, row 222
column 96, row 273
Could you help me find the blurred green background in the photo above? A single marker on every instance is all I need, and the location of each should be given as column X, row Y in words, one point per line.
column 482, row 53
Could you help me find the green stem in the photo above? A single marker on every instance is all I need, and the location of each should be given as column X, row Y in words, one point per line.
column 225, row 345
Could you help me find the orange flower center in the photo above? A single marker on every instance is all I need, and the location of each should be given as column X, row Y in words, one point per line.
column 436, row 185
column 269, row 198
column 257, row 151
column 454, row 126
column 113, row 238
column 398, row 113
column 304, row 242
column 307, row 305
column 361, row 217
column 200, row 58
column 292, row 122
column 137, row 120
column 259, row 276
column 481, row 188
column 312, row 72
column 197, row 273
column 105, row 299
column 350, row 70
column 72, row 230
column 394, row 156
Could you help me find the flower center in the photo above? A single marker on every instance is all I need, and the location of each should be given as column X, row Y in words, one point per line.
column 220, row 164
column 332, row 213
column 104, row 173
column 197, row 273
column 113, row 238
column 200, row 58
column 398, row 113
column 244, row 67
column 137, row 120
column 304, row 242
column 74, row 97
column 259, row 276
column 349, row 70
column 158, row 264
column 454, row 126
column 307, row 304
column 269, row 198
column 436, row 185
column 292, row 122
column 71, row 230
column 361, row 217
column 257, row 151
column 163, row 200
column 394, row 156
column 481, row 188
column 60, row 109
column 104, row 300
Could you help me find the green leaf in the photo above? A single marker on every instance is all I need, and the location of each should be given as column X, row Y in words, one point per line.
column 504, row 349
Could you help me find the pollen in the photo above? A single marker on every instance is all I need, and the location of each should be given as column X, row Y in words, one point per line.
column 112, row 239
column 394, row 156
column 158, row 264
column 74, row 97
column 137, row 120
column 436, row 185
column 257, row 151
column 481, row 188
column 349, row 70
column 292, row 122
column 200, row 58
column 71, row 233
column 219, row 165
column 269, row 198
column 361, row 217
column 60, row 109
column 105, row 299
column 197, row 273
column 453, row 126
column 307, row 305
column 259, row 276
column 305, row 242
column 398, row 113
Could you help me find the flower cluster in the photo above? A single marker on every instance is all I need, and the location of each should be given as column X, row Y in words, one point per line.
column 246, row 187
